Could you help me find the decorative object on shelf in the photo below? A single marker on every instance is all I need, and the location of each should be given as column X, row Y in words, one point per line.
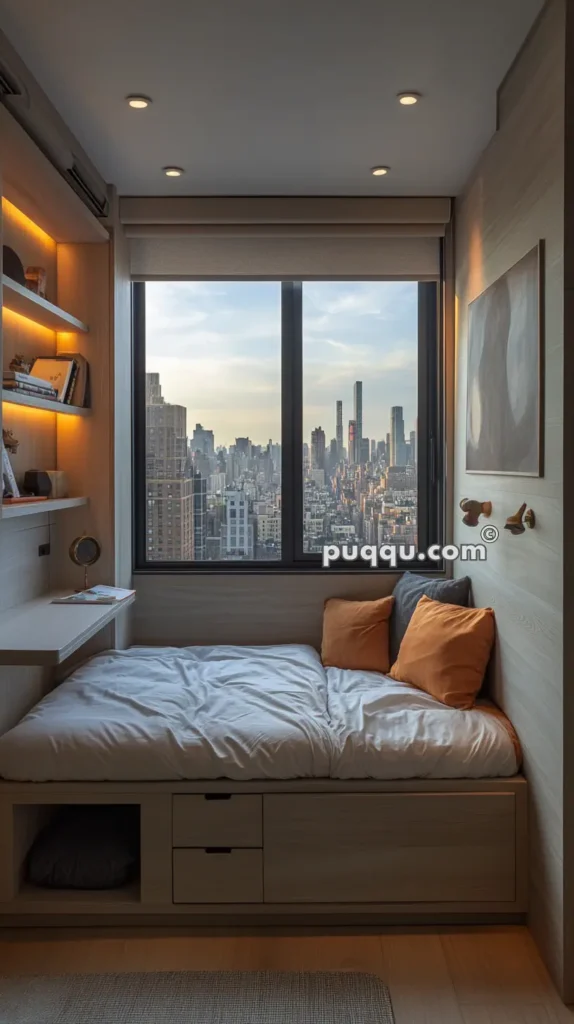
column 520, row 520
column 21, row 364
column 473, row 509
column 9, row 485
column 24, row 499
column 36, row 280
column 85, row 551
column 47, row 483
column 10, row 441
column 504, row 389
column 37, row 482
column 12, row 265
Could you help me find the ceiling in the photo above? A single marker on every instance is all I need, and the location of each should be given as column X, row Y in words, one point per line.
column 275, row 97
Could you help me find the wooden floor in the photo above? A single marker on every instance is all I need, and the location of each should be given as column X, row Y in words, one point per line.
column 482, row 975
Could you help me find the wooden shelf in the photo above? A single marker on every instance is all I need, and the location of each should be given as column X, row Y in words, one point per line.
column 34, row 508
column 21, row 300
column 41, row 633
column 37, row 402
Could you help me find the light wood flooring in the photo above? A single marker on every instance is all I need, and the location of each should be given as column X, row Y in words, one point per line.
column 487, row 975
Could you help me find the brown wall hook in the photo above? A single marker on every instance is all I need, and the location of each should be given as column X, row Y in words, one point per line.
column 473, row 509
column 520, row 520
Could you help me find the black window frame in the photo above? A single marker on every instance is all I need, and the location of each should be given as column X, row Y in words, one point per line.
column 430, row 456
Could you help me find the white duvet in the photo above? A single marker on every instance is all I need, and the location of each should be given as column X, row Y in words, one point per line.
column 246, row 713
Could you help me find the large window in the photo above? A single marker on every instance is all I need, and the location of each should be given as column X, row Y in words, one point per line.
column 274, row 418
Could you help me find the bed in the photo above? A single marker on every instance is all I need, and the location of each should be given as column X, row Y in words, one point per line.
column 269, row 789
column 248, row 713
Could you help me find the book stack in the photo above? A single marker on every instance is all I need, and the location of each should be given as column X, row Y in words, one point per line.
column 26, row 384
column 61, row 378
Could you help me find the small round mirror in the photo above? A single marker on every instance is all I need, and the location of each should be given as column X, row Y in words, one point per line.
column 85, row 551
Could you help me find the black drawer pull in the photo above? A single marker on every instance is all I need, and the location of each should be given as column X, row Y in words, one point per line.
column 218, row 849
column 217, row 796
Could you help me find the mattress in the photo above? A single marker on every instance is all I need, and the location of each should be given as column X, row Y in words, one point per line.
column 179, row 713
column 244, row 713
column 389, row 730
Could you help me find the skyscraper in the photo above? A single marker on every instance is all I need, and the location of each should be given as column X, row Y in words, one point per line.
column 318, row 448
column 413, row 447
column 339, row 429
column 168, row 481
column 352, row 442
column 358, row 411
column 398, row 453
column 202, row 440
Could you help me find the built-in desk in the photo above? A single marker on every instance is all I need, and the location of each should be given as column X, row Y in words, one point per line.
column 41, row 633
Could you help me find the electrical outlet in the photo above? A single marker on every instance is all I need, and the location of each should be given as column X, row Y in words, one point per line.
column 43, row 549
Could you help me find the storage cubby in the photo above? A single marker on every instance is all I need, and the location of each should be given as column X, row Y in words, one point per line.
column 50, row 835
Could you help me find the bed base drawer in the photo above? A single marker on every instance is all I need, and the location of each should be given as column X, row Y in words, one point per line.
column 390, row 848
column 219, row 819
column 219, row 875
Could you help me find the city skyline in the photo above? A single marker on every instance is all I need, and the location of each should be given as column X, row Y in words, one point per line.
column 216, row 346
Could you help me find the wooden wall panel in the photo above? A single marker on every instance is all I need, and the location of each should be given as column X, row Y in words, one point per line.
column 515, row 198
column 243, row 609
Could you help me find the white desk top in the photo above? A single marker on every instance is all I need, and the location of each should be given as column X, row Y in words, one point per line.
column 41, row 633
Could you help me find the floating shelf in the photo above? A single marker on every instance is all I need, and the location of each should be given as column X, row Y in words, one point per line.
column 34, row 508
column 37, row 402
column 21, row 300
column 41, row 633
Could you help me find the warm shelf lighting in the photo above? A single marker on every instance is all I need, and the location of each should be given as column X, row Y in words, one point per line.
column 380, row 171
column 173, row 172
column 22, row 221
column 408, row 99
column 23, row 323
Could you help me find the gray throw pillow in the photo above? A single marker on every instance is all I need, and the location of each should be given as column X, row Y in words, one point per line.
column 407, row 594
column 86, row 848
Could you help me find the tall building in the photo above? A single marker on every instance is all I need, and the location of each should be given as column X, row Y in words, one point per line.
column 318, row 448
column 238, row 530
column 364, row 450
column 339, row 431
column 169, row 489
column 352, row 443
column 413, row 439
column 199, row 491
column 203, row 440
column 398, row 452
column 358, row 411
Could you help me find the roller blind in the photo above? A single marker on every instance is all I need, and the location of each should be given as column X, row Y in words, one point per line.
column 286, row 238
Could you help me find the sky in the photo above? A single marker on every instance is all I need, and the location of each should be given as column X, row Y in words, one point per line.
column 217, row 349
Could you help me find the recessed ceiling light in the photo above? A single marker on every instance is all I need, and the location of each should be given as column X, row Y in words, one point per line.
column 173, row 172
column 379, row 171
column 138, row 102
column 408, row 99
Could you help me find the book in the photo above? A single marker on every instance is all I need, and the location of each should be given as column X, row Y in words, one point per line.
column 80, row 390
column 17, row 377
column 56, row 371
column 96, row 595
column 30, row 389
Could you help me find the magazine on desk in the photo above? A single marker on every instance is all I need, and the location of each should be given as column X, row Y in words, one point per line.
column 96, row 595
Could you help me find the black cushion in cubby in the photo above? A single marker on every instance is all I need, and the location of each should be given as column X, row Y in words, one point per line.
column 86, row 847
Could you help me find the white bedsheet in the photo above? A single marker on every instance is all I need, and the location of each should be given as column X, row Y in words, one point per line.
column 389, row 730
column 244, row 713
column 179, row 713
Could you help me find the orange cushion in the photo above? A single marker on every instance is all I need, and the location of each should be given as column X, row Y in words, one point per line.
column 445, row 651
column 356, row 634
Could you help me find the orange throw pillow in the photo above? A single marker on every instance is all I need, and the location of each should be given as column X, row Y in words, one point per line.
column 445, row 651
column 356, row 634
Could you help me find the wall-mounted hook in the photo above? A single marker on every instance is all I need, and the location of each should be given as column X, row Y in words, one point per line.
column 520, row 520
column 473, row 509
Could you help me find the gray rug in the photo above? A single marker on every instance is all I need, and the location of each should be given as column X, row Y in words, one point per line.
column 196, row 997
